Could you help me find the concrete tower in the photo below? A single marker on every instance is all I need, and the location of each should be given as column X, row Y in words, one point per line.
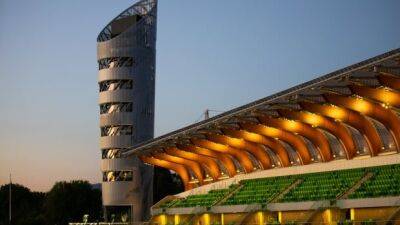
column 126, row 52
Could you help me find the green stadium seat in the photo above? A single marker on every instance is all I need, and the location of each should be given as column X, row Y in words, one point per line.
column 314, row 187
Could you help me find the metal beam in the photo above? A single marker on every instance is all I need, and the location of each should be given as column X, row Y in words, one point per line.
column 240, row 156
column 376, row 111
column 257, row 151
column 351, row 118
column 178, row 168
column 205, row 161
column 318, row 121
column 192, row 165
column 224, row 159
column 316, row 137
column 271, row 143
column 297, row 143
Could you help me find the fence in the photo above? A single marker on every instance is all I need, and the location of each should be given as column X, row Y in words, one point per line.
column 347, row 222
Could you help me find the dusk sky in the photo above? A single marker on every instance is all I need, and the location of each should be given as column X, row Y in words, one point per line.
column 210, row 54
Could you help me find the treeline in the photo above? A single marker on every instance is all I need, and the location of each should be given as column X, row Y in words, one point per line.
column 65, row 202
column 69, row 201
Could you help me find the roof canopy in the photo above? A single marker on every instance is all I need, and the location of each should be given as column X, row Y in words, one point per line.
column 352, row 112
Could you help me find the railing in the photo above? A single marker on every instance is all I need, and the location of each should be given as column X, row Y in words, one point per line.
column 345, row 222
column 394, row 214
column 117, row 223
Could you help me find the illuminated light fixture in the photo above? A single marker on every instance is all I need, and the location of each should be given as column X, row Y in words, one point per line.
column 193, row 181
column 291, row 162
column 357, row 96
column 223, row 176
column 273, row 165
column 208, row 178
column 382, row 87
column 334, row 156
column 313, row 126
column 276, row 138
column 385, row 105
column 312, row 159
column 358, row 152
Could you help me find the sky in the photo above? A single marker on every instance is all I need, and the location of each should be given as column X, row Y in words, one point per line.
column 210, row 54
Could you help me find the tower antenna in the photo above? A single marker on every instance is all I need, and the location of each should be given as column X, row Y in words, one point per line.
column 207, row 114
column 9, row 201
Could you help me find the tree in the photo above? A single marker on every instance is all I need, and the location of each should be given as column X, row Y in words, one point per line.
column 69, row 201
column 26, row 205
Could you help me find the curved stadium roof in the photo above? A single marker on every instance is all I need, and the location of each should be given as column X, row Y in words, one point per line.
column 350, row 113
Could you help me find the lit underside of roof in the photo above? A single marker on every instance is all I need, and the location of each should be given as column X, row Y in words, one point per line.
column 350, row 113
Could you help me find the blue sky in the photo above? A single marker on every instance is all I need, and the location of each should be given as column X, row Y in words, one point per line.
column 210, row 54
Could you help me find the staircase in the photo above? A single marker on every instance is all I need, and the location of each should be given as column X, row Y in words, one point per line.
column 164, row 200
column 250, row 210
column 240, row 186
column 319, row 208
column 350, row 191
column 189, row 221
column 284, row 192
column 193, row 215
column 390, row 220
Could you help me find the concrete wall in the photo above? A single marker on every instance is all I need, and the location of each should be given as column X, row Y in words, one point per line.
column 326, row 216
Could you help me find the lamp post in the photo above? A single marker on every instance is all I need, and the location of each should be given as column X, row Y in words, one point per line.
column 9, row 201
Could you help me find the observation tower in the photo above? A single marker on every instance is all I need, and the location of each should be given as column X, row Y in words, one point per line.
column 126, row 54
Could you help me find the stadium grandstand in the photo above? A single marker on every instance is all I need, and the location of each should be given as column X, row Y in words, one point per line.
column 323, row 152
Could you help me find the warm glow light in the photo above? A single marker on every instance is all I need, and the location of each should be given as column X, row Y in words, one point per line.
column 163, row 219
column 313, row 119
column 329, row 212
column 260, row 216
column 235, row 142
column 252, row 136
column 270, row 131
column 193, row 181
column 280, row 217
column 208, row 178
column 360, row 105
column 176, row 219
column 291, row 125
column 382, row 94
column 216, row 146
column 384, row 105
column 352, row 216
column 207, row 219
column 387, row 96
column 335, row 112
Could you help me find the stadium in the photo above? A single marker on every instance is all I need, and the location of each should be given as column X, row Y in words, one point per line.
column 323, row 152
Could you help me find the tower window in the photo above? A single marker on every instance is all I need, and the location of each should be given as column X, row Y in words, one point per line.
column 107, row 63
column 110, row 176
column 112, row 85
column 112, row 153
column 117, row 130
column 116, row 107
